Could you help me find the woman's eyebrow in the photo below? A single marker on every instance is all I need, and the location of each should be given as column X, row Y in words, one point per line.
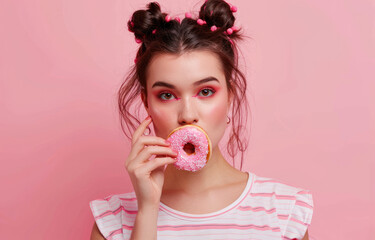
column 168, row 85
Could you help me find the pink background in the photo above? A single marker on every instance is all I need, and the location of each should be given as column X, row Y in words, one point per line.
column 311, row 75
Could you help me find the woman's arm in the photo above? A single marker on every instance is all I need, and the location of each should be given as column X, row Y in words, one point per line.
column 96, row 234
column 306, row 237
column 145, row 224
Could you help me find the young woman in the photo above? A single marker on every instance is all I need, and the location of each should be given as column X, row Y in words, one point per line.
column 186, row 72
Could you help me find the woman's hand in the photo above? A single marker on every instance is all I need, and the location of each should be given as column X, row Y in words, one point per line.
column 147, row 176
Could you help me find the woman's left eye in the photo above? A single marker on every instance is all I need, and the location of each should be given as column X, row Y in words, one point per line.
column 206, row 92
column 165, row 96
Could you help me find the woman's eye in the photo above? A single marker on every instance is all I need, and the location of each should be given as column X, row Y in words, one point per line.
column 165, row 96
column 207, row 92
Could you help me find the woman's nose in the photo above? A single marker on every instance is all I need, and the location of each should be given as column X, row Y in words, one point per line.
column 188, row 113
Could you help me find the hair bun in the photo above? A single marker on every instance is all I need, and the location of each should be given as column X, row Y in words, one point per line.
column 143, row 22
column 218, row 13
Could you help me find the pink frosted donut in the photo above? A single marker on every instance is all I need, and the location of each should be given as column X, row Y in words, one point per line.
column 192, row 145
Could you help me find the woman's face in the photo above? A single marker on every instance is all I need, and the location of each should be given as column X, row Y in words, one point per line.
column 187, row 89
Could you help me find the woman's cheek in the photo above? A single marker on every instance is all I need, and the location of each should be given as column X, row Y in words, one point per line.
column 218, row 112
column 217, row 122
column 161, row 118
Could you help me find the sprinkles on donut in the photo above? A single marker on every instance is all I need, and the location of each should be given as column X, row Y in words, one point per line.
column 193, row 146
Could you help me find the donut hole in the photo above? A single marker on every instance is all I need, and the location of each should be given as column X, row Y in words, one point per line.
column 189, row 148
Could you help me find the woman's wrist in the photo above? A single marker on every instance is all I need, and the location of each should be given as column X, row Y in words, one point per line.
column 147, row 209
column 145, row 225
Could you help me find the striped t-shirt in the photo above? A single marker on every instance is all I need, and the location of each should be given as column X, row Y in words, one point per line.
column 266, row 210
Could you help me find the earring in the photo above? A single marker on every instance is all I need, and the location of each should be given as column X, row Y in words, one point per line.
column 228, row 121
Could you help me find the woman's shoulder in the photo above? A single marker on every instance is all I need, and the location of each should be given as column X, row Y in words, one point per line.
column 282, row 194
column 276, row 187
column 114, row 202
column 292, row 204
column 109, row 213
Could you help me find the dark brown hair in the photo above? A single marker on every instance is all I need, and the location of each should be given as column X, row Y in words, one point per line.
column 160, row 36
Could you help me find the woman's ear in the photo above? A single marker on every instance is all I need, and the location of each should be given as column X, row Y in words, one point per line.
column 144, row 99
column 230, row 99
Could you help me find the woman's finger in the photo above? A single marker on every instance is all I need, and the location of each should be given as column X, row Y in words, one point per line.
column 147, row 152
column 141, row 129
column 158, row 162
column 147, row 141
